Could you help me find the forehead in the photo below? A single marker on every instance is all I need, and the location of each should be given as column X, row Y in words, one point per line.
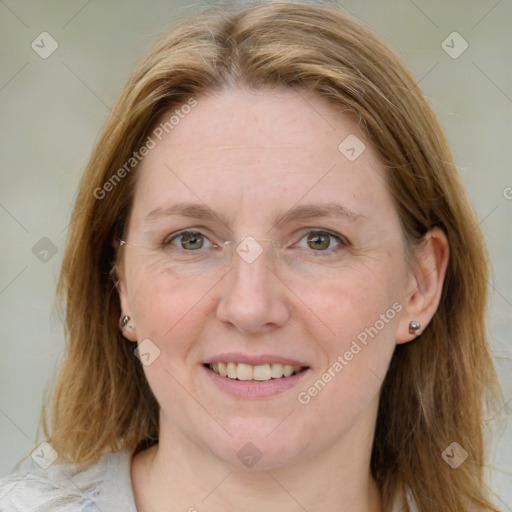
column 242, row 124
column 248, row 150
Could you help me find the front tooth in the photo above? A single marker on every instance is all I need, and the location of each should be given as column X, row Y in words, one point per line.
column 276, row 370
column 243, row 371
column 262, row 372
column 231, row 370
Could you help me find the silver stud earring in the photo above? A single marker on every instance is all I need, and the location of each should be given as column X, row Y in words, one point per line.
column 414, row 326
column 124, row 323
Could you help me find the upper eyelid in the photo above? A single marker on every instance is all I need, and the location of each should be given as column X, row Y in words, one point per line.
column 304, row 231
column 343, row 240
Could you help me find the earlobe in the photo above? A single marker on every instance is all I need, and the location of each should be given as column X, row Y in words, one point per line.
column 126, row 324
column 425, row 285
column 127, row 329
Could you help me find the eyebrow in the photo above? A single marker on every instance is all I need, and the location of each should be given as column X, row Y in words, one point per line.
column 303, row 212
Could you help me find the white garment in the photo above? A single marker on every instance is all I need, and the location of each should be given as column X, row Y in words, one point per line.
column 102, row 487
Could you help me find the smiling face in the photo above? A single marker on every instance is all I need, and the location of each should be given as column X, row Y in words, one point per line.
column 317, row 290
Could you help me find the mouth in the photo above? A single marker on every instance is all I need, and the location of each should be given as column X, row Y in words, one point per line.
column 259, row 373
column 251, row 376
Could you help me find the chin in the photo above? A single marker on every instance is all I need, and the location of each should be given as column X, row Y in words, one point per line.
column 260, row 443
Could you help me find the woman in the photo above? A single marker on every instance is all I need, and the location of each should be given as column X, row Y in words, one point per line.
column 275, row 286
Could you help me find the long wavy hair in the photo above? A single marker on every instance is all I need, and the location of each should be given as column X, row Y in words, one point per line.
column 437, row 389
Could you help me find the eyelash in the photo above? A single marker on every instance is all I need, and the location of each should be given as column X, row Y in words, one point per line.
column 342, row 241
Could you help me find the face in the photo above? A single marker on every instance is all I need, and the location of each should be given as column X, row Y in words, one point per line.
column 292, row 261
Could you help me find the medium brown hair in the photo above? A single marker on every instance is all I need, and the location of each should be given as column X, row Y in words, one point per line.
column 437, row 387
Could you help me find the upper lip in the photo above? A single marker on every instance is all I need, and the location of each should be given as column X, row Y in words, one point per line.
column 254, row 360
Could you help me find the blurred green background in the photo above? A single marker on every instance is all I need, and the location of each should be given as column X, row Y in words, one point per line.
column 52, row 110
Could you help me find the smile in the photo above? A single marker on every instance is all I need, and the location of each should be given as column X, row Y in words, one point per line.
column 247, row 372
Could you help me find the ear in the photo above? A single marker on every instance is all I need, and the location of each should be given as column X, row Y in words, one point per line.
column 425, row 284
column 128, row 331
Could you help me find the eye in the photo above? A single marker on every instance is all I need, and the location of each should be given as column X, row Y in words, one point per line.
column 188, row 240
column 321, row 241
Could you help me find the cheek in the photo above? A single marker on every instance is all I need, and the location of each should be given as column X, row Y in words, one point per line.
column 359, row 315
column 354, row 299
column 362, row 310
column 171, row 313
column 168, row 309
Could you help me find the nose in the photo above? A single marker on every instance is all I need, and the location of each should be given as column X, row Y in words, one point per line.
column 252, row 298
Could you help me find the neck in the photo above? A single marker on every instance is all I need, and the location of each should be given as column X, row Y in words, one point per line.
column 179, row 474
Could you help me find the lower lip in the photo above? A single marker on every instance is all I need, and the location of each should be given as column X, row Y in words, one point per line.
column 255, row 388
